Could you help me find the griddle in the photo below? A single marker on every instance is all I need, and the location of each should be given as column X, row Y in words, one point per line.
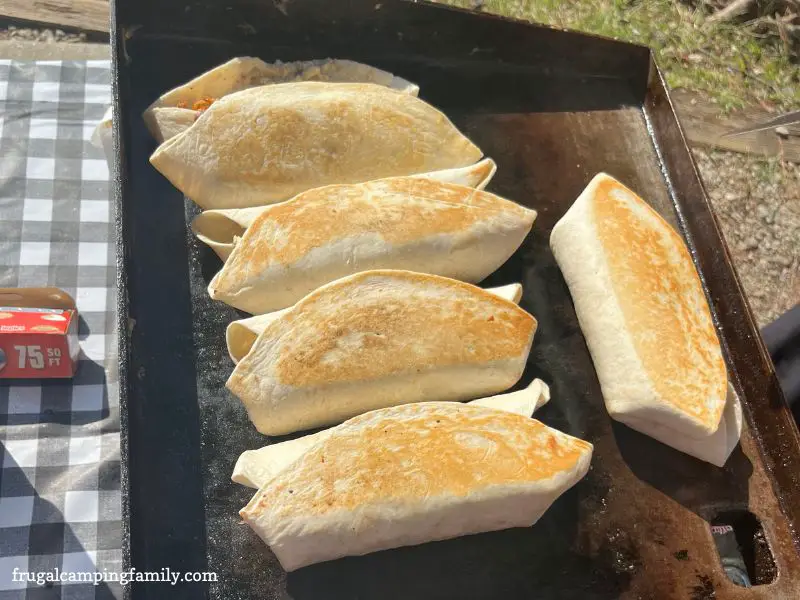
column 552, row 108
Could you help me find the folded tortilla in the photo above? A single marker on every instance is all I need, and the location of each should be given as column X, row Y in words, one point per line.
column 267, row 144
column 256, row 467
column 327, row 233
column 221, row 228
column 413, row 474
column 714, row 448
column 377, row 339
column 176, row 110
column 644, row 314
column 240, row 335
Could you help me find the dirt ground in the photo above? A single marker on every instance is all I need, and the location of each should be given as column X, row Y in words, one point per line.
column 756, row 200
column 758, row 204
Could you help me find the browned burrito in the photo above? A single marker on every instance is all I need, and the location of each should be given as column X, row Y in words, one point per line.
column 267, row 144
column 377, row 339
column 412, row 474
column 326, row 233
column 642, row 310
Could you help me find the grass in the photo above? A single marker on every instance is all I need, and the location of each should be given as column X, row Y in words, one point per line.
column 733, row 64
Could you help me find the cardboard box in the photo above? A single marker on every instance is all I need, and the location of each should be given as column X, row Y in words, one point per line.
column 38, row 333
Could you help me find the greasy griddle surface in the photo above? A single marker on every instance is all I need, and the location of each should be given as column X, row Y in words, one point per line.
column 633, row 528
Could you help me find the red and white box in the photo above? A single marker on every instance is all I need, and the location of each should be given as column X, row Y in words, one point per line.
column 38, row 333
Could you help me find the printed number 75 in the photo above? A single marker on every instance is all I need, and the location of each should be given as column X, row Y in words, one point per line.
column 32, row 353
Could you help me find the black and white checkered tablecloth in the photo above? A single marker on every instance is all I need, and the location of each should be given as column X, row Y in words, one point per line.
column 59, row 441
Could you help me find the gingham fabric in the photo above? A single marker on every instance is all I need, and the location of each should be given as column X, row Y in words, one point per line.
column 59, row 441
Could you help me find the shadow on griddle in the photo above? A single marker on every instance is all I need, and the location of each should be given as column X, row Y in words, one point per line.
column 698, row 486
column 519, row 563
column 208, row 260
column 163, row 454
column 210, row 263
column 495, row 88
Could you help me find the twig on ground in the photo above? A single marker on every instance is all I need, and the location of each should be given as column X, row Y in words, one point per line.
column 787, row 31
column 734, row 10
column 782, row 121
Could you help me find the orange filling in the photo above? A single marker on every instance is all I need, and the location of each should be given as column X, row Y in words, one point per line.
column 200, row 105
column 203, row 104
